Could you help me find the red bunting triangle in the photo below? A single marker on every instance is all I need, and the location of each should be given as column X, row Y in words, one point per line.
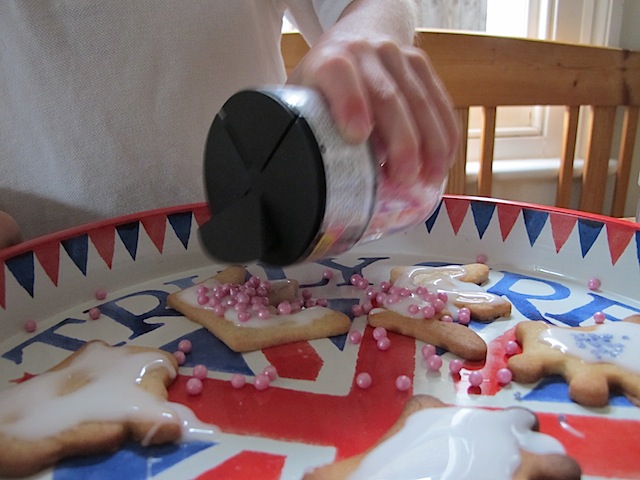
column 103, row 238
column 48, row 254
column 156, row 227
column 507, row 216
column 618, row 237
column 561, row 227
column 201, row 215
column 457, row 210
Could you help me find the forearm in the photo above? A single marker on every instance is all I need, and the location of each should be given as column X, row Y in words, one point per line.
column 396, row 19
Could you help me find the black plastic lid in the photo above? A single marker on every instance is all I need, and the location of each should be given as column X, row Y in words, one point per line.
column 265, row 182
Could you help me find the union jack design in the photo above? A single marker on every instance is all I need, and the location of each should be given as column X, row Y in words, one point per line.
column 314, row 413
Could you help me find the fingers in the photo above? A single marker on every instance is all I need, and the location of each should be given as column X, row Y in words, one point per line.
column 392, row 95
column 9, row 231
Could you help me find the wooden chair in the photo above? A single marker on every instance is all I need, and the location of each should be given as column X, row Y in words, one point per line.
column 487, row 72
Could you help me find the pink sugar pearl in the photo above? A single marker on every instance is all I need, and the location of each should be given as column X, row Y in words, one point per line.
column 403, row 383
column 262, row 381
column 271, row 372
column 434, row 363
column 355, row 337
column 357, row 310
column 363, row 380
column 185, row 346
column 511, row 347
column 30, row 326
column 327, row 274
column 594, row 284
column 379, row 332
column 200, row 371
column 94, row 313
column 284, row 308
column 100, row 294
column 504, row 376
column 194, row 386
column 455, row 366
column 481, row 258
column 180, row 357
column 384, row 344
column 428, row 350
column 599, row 317
column 476, row 378
column 464, row 316
column 238, row 381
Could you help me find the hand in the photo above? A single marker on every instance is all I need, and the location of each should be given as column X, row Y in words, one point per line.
column 9, row 231
column 378, row 88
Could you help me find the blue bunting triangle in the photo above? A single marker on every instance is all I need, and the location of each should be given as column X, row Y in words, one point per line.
column 181, row 224
column 78, row 250
column 432, row 219
column 534, row 221
column 22, row 268
column 588, row 231
column 129, row 234
column 482, row 215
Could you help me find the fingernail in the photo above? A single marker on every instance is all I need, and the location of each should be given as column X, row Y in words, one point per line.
column 357, row 129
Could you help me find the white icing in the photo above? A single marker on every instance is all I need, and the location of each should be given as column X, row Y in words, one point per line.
column 109, row 392
column 305, row 316
column 440, row 280
column 456, row 443
column 612, row 342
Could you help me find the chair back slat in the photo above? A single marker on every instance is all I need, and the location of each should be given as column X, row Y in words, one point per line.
column 625, row 159
column 567, row 156
column 489, row 72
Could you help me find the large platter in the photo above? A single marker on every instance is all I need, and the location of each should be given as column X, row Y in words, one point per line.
column 541, row 259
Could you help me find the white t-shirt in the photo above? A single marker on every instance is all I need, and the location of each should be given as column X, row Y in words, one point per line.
column 105, row 105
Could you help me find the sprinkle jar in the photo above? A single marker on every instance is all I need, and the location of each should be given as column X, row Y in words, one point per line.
column 283, row 187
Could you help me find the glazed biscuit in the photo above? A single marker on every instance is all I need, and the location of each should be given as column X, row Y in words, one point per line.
column 461, row 287
column 591, row 359
column 264, row 328
column 83, row 406
column 552, row 466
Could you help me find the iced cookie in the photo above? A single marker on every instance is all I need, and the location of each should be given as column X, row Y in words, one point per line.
column 432, row 440
column 255, row 314
column 420, row 299
column 90, row 403
column 592, row 359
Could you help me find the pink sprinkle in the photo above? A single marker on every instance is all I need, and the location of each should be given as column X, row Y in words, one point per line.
column 594, row 284
column 443, row 296
column 481, row 258
column 504, row 376
column 379, row 332
column 446, row 319
column 464, row 316
column 367, row 307
column 599, row 317
column 30, row 326
column 355, row 337
column 271, row 372
column 284, row 308
column 385, row 286
column 357, row 310
column 263, row 314
column 194, row 386
column 306, row 294
column 200, row 371
column 428, row 312
column 355, row 279
column 403, row 383
column 244, row 316
column 363, row 380
column 413, row 309
column 180, row 357
column 262, row 381
column 238, row 381
column 94, row 313
column 327, row 274
column 455, row 366
column 476, row 378
column 438, row 305
column 101, row 294
column 185, row 346
column 384, row 344
column 202, row 299
column 428, row 350
column 434, row 363
column 511, row 347
column 322, row 302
